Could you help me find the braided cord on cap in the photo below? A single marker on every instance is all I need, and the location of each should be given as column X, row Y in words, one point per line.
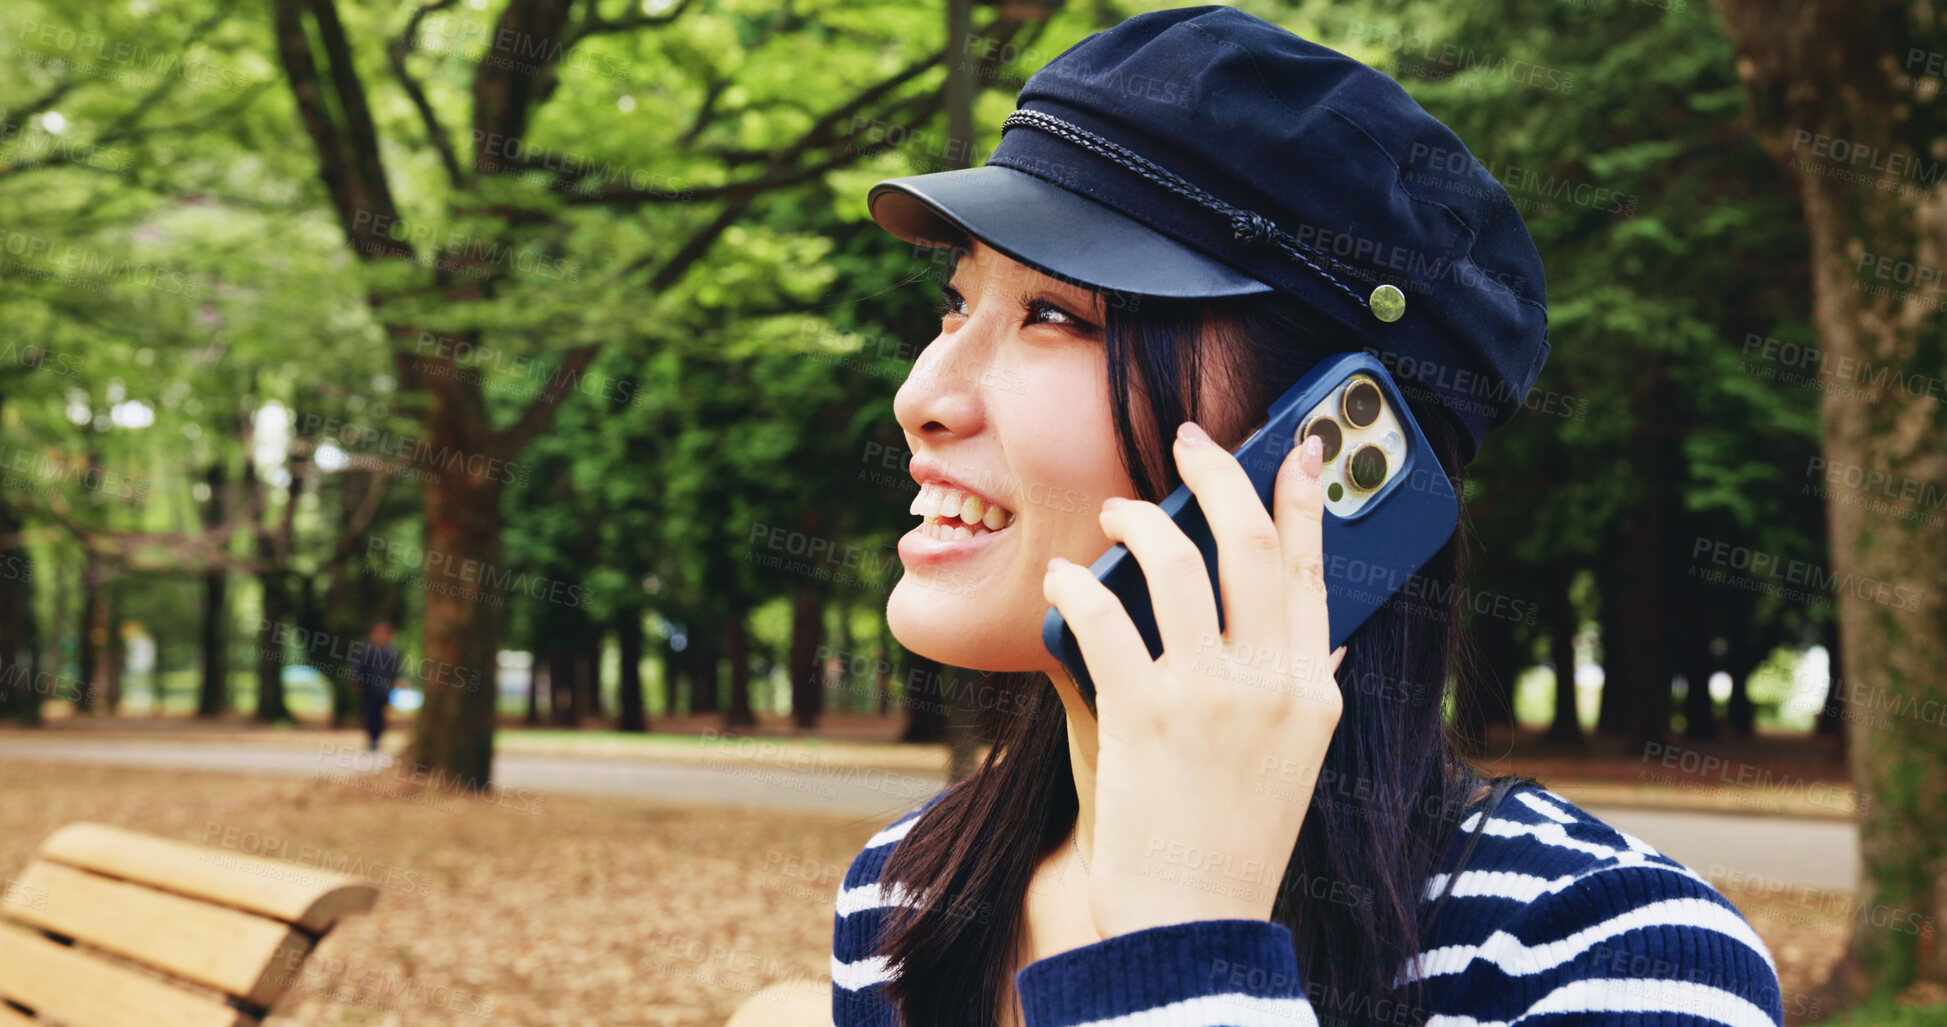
column 1246, row 226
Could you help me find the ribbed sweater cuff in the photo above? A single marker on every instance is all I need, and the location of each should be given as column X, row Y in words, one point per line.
column 1184, row 975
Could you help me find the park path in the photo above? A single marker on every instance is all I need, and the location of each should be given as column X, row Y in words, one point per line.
column 1814, row 852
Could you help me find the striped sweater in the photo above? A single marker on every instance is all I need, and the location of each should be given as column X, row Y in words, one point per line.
column 1557, row 919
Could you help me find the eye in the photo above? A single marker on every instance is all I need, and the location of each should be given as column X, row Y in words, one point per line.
column 1041, row 311
column 951, row 302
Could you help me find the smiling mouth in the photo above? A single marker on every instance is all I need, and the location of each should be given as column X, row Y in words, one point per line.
column 952, row 514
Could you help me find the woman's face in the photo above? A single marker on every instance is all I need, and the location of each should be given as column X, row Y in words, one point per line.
column 1009, row 404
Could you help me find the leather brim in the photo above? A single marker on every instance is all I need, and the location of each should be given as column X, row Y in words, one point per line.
column 1050, row 229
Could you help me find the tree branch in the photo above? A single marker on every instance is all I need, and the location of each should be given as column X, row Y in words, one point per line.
column 402, row 48
column 540, row 413
column 516, row 73
column 706, row 112
column 359, row 130
column 819, row 134
column 361, row 521
column 363, row 202
column 595, row 24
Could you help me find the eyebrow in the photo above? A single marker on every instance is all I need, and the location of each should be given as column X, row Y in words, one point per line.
column 1039, row 283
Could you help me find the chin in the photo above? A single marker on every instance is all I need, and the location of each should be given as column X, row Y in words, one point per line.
column 961, row 631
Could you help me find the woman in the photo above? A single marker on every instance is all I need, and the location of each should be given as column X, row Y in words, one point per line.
column 1186, row 212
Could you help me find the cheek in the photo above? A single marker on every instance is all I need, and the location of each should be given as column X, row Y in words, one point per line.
column 1065, row 461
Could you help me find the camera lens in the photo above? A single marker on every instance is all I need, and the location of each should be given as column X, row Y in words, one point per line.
column 1367, row 469
column 1362, row 404
column 1330, row 435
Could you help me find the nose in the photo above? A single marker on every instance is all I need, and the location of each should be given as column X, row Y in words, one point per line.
column 940, row 397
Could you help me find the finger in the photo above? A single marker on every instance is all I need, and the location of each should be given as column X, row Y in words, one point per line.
column 1173, row 568
column 1248, row 546
column 1111, row 646
column 1338, row 657
column 1298, row 506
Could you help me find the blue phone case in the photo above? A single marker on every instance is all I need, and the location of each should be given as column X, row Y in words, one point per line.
column 1368, row 556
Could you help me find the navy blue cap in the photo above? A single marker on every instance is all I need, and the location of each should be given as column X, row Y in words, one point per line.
column 1205, row 152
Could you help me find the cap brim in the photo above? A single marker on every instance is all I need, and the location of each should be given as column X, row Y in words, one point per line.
column 1051, row 229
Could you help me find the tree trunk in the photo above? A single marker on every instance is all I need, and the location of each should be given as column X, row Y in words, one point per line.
column 807, row 684
column 1612, row 705
column 93, row 672
column 563, row 690
column 213, row 695
column 20, row 685
column 735, row 649
column 333, row 658
column 628, row 688
column 1740, row 713
column 1691, row 628
column 1639, row 643
column 454, row 733
column 588, row 668
column 843, row 693
column 1563, row 625
column 534, row 688
column 704, row 657
column 275, row 624
column 1822, row 74
column 1832, row 713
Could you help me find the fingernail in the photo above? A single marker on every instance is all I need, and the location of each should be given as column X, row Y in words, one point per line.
column 1312, row 459
column 1059, row 561
column 1112, row 502
column 1192, row 435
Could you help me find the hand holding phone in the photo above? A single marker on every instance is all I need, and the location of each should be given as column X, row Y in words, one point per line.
column 1388, row 505
column 1183, row 744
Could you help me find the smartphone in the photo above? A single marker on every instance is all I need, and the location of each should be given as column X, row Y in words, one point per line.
column 1388, row 504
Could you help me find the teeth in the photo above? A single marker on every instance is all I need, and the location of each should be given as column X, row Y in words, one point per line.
column 938, row 505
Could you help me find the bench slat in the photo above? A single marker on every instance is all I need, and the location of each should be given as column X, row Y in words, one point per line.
column 311, row 899
column 245, row 955
column 84, row 991
column 796, row 1003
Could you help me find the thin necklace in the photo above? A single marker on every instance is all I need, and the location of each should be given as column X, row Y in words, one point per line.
column 1078, row 846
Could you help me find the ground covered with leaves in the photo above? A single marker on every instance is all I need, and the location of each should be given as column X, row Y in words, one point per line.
column 534, row 910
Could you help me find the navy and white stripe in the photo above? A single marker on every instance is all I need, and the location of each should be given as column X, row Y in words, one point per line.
column 1558, row 920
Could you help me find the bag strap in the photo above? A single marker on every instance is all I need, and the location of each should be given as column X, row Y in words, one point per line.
column 1501, row 789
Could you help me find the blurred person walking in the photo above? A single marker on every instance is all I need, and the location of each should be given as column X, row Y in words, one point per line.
column 375, row 670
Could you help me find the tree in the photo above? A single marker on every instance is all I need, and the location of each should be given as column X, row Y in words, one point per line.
column 505, row 191
column 1847, row 96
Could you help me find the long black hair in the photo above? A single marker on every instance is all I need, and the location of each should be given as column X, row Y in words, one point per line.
column 1387, row 798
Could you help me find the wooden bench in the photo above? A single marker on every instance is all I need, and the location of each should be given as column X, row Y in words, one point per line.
column 111, row 928
column 792, row 1004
